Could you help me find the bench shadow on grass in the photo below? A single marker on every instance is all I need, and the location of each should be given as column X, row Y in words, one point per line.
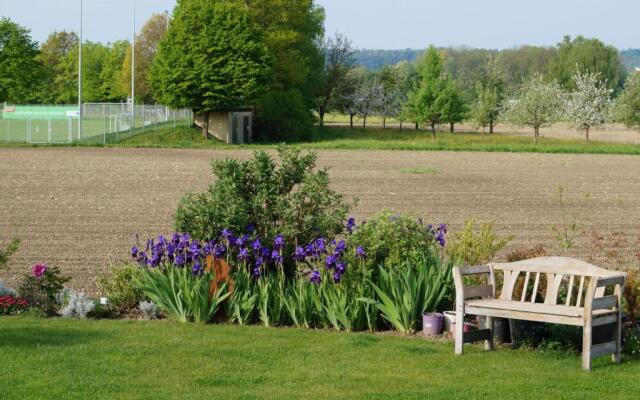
column 46, row 336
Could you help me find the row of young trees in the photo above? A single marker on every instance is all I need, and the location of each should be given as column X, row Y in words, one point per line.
column 426, row 92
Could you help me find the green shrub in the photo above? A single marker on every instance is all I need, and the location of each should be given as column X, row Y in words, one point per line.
column 292, row 199
column 42, row 287
column 392, row 239
column 283, row 116
column 631, row 295
column 472, row 247
column 405, row 293
column 119, row 286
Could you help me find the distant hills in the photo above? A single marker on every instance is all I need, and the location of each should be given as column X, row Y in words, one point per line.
column 374, row 59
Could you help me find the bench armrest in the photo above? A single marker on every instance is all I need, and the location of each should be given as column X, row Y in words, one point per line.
column 595, row 299
column 464, row 292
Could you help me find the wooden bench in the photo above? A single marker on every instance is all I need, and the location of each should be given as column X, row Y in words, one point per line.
column 581, row 285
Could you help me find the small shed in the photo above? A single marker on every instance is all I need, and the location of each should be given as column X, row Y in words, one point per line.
column 234, row 127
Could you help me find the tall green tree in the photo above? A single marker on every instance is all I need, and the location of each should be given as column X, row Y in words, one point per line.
column 586, row 55
column 293, row 32
column 54, row 53
column 20, row 72
column 112, row 89
column 212, row 58
column 453, row 106
column 521, row 63
column 492, row 88
column 628, row 103
column 338, row 61
column 426, row 102
column 147, row 43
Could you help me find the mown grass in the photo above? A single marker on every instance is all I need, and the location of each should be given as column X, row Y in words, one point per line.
column 72, row 359
column 375, row 138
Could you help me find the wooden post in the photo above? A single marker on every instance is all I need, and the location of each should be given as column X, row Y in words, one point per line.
column 459, row 331
column 617, row 330
column 587, row 333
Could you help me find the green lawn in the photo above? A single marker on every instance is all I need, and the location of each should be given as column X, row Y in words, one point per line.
column 375, row 138
column 71, row 359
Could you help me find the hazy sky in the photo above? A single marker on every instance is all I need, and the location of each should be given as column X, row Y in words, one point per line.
column 380, row 24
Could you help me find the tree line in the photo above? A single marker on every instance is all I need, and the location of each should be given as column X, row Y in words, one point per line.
column 273, row 56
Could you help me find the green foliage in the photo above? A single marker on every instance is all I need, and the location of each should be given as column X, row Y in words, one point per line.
column 427, row 101
column 474, row 247
column 212, row 58
column 407, row 292
column 181, row 294
column 392, row 239
column 271, row 308
column 42, row 292
column 7, row 252
column 59, row 84
column 292, row 199
column 241, row 305
column 119, row 286
column 453, row 107
column 111, row 74
column 283, row 116
column 628, row 103
column 631, row 295
column 587, row 55
column 19, row 69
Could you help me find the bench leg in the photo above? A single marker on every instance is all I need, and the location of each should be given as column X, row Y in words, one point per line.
column 617, row 338
column 488, row 344
column 459, row 331
column 586, row 347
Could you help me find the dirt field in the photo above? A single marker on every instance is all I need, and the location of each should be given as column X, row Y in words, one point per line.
column 80, row 208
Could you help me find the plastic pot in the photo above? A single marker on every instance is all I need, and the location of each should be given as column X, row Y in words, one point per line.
column 432, row 324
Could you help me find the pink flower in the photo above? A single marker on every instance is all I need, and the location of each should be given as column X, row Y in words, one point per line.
column 39, row 270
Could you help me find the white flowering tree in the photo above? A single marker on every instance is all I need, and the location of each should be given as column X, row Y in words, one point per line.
column 367, row 100
column 538, row 104
column 589, row 104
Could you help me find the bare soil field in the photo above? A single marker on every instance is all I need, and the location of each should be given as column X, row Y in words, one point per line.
column 81, row 208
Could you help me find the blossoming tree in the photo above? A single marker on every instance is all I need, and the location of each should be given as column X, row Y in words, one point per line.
column 589, row 104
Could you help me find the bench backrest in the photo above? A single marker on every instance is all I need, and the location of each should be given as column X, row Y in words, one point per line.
column 555, row 274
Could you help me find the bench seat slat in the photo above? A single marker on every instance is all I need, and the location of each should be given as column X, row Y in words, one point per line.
column 538, row 308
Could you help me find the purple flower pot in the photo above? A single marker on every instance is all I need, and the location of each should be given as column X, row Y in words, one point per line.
column 432, row 324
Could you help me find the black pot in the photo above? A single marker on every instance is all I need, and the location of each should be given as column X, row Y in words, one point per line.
column 527, row 332
column 501, row 331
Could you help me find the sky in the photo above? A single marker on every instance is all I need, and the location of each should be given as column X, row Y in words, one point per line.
column 378, row 24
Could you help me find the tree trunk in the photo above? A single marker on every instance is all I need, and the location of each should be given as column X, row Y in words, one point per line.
column 364, row 122
column 321, row 114
column 491, row 127
column 587, row 134
column 400, row 125
column 417, row 126
column 205, row 125
column 384, row 122
column 351, row 120
column 433, row 131
column 536, row 131
column 451, row 129
column 483, row 129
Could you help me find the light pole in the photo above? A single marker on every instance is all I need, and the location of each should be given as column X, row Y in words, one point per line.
column 80, row 77
column 133, row 71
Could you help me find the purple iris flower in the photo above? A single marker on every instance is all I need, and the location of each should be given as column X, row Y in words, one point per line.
column 360, row 253
column 330, row 261
column 180, row 260
column 320, row 245
column 251, row 228
column 441, row 233
column 278, row 242
column 277, row 257
column 219, row 250
column 243, row 255
column 242, row 240
column 134, row 251
column 194, row 249
column 197, row 269
column 185, row 237
column 299, row 254
column 256, row 245
column 256, row 272
column 341, row 247
column 341, row 267
column 175, row 238
column 351, row 223
column 315, row 277
column 336, row 277
column 226, row 233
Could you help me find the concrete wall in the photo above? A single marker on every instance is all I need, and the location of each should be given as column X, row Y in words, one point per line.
column 221, row 124
column 218, row 124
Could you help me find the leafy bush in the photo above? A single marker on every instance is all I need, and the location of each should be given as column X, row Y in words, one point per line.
column 631, row 342
column 10, row 305
column 41, row 288
column 119, row 286
column 149, row 309
column 292, row 199
column 404, row 293
column 75, row 304
column 283, row 116
column 526, row 253
column 472, row 247
column 11, row 248
column 631, row 295
column 392, row 239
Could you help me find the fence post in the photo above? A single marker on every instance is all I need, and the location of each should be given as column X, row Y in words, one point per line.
column 70, row 129
column 49, row 131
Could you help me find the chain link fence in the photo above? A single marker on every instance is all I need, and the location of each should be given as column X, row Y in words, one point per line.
column 101, row 122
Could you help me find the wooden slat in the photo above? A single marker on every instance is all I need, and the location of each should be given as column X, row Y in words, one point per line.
column 476, row 269
column 540, row 308
column 524, row 288
column 602, row 349
column 476, row 336
column 604, row 303
column 604, row 319
column 509, row 285
column 535, row 287
column 553, row 285
column 579, row 299
column 556, row 265
column 529, row 316
column 478, row 291
column 570, row 290
column 612, row 280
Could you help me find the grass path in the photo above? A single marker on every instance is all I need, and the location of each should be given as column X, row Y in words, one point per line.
column 70, row 359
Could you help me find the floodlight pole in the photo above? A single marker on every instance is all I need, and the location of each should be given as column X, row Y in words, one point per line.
column 133, row 71
column 80, row 77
